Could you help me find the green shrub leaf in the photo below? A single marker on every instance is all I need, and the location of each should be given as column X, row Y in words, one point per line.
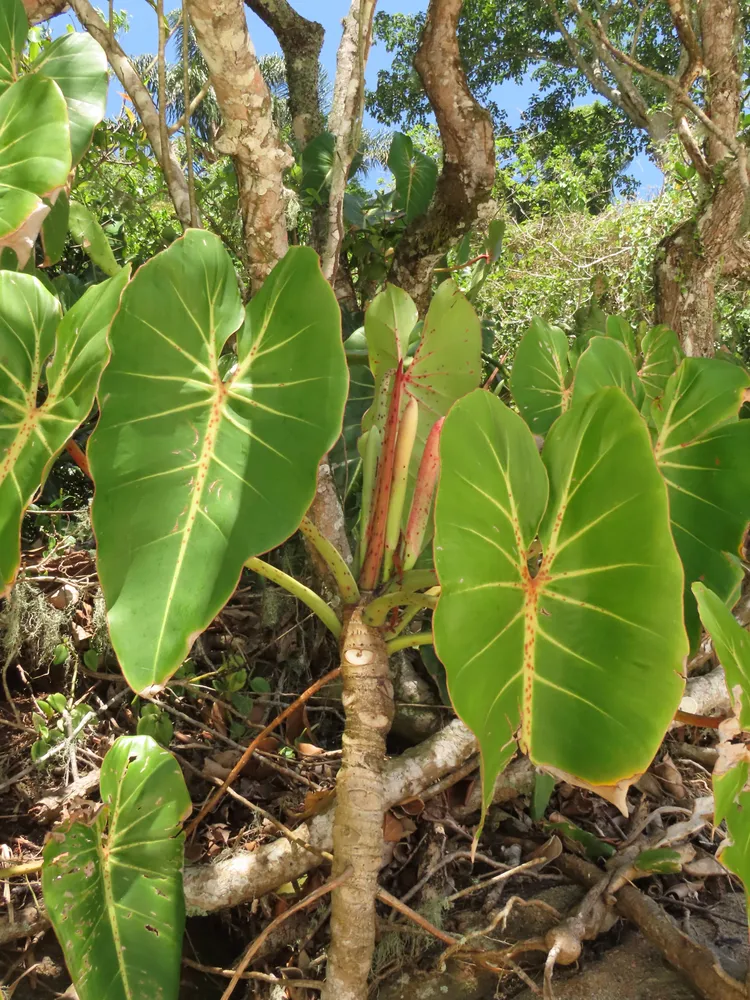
column 85, row 229
column 581, row 661
column 541, row 375
column 606, row 361
column 195, row 475
column 14, row 27
column 661, row 356
column 31, row 435
column 415, row 174
column 113, row 883
column 702, row 450
column 732, row 644
column 732, row 804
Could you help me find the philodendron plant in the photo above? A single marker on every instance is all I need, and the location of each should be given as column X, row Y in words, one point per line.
column 560, row 618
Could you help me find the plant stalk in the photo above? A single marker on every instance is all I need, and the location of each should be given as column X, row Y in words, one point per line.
column 314, row 602
column 407, row 641
column 360, row 805
column 424, row 491
column 407, row 435
column 345, row 582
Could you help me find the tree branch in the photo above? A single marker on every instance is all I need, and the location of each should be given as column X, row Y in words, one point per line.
column 301, row 42
column 468, row 154
column 345, row 121
column 249, row 135
column 43, row 10
column 143, row 104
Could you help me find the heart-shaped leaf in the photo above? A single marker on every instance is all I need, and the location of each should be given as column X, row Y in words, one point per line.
column 662, row 354
column 606, row 361
column 32, row 434
column 702, row 450
column 195, row 474
column 541, row 375
column 78, row 65
column 415, row 174
column 112, row 880
column 560, row 620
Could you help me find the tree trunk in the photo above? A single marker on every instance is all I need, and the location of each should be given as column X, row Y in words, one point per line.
column 360, row 805
column 249, row 134
column 469, row 154
column 692, row 259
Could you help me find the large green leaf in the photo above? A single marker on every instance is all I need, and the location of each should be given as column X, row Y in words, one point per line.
column 78, row 65
column 606, row 361
column 34, row 136
column 541, row 375
column 582, row 660
column 662, row 354
column 345, row 457
column 194, row 475
column 113, row 881
column 34, row 159
column 55, row 230
column 732, row 804
column 32, row 434
column 702, row 450
column 732, row 644
column 85, row 229
column 14, row 27
column 415, row 174
column 389, row 321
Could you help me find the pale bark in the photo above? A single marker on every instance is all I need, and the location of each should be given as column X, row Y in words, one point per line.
column 43, row 10
column 345, row 121
column 468, row 154
column 249, row 135
column 692, row 259
column 143, row 104
column 301, row 42
column 360, row 806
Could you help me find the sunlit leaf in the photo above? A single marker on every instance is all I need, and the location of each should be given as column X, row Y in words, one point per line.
column 14, row 27
column 85, row 229
column 661, row 356
column 194, row 475
column 702, row 450
column 579, row 655
column 606, row 361
column 33, row 433
column 541, row 375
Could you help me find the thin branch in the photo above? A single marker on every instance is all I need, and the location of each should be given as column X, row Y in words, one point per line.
column 143, row 104
column 215, row 799
column 161, row 82
column 194, row 105
column 258, row 942
column 188, row 112
column 316, row 603
column 345, row 121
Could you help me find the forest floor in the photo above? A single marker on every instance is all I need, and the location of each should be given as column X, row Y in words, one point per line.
column 262, row 651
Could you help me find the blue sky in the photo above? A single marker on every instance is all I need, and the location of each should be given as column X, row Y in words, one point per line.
column 513, row 97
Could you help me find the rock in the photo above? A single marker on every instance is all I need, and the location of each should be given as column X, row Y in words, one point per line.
column 632, row 970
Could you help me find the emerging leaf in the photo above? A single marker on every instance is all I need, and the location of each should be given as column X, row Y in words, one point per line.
column 113, row 881
column 577, row 651
column 195, row 474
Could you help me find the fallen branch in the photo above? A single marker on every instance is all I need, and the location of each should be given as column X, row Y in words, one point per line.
column 694, row 961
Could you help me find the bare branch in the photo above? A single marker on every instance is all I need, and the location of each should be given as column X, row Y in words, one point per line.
column 43, row 10
column 194, row 105
column 188, row 112
column 143, row 104
column 301, row 42
column 249, row 135
column 345, row 120
column 468, row 154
